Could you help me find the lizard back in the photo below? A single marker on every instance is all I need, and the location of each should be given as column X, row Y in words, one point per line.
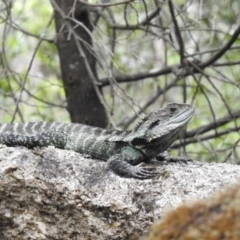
column 78, row 137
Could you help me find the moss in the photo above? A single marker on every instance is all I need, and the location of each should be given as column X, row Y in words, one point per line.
column 214, row 218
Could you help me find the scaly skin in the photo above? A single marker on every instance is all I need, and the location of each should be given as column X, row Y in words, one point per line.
column 123, row 150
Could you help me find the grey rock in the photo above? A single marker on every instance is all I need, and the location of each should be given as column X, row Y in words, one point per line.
column 48, row 193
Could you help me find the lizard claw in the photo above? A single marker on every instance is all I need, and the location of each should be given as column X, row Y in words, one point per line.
column 143, row 172
column 125, row 169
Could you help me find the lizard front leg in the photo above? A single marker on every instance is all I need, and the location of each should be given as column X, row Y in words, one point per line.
column 129, row 163
column 125, row 169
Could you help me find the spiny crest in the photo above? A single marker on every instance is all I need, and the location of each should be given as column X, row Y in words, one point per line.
column 144, row 119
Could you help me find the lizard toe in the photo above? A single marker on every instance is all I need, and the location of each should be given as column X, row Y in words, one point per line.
column 142, row 172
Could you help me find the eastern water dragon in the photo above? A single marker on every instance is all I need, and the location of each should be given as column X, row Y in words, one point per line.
column 124, row 151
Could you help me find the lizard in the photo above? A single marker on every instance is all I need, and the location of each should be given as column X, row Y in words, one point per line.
column 124, row 151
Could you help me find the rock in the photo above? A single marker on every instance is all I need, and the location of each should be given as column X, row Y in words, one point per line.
column 50, row 193
column 215, row 218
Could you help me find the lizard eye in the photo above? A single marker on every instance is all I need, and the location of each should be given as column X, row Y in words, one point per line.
column 173, row 109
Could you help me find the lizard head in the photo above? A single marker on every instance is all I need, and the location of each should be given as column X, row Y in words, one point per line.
column 162, row 127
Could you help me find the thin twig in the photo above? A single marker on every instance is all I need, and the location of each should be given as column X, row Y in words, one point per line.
column 105, row 4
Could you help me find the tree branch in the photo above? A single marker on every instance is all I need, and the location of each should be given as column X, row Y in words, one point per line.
column 106, row 4
column 213, row 125
column 219, row 54
column 177, row 32
column 138, row 76
column 197, row 67
column 204, row 138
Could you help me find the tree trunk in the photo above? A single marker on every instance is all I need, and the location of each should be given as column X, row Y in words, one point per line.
column 83, row 102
